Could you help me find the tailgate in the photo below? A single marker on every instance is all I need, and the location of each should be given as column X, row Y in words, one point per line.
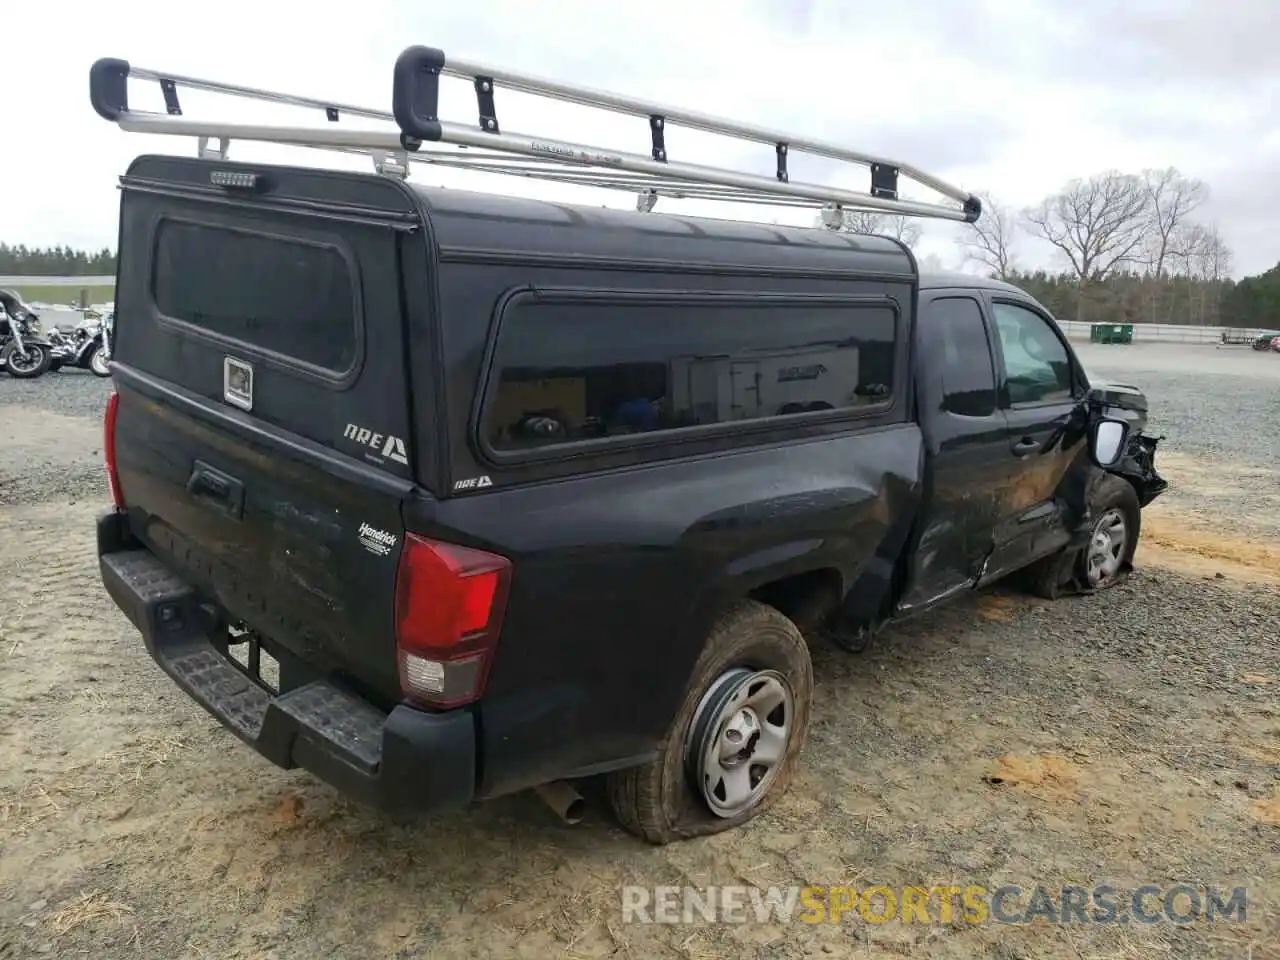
column 263, row 436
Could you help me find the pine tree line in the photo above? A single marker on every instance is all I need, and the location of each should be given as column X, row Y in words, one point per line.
column 24, row 261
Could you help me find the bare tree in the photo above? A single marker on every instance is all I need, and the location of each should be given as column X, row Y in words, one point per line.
column 1215, row 256
column 1209, row 262
column 1171, row 199
column 1099, row 223
column 1182, row 245
column 1198, row 253
column 897, row 226
column 989, row 240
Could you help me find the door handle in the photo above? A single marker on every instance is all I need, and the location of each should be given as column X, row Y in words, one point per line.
column 1025, row 446
column 219, row 490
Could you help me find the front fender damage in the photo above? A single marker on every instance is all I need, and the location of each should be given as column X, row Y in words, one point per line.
column 1139, row 468
column 1059, row 575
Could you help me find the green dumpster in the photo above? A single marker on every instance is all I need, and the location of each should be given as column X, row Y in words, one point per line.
column 1111, row 333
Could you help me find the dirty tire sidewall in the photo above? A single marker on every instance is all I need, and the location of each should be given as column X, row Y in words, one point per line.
column 23, row 370
column 1114, row 492
column 98, row 362
column 657, row 801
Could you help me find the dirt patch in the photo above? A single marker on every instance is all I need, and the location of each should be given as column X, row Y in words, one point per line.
column 1176, row 543
column 998, row 607
column 1268, row 810
column 1193, row 529
column 1183, row 535
column 1042, row 774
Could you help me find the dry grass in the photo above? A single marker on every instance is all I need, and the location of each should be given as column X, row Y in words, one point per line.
column 137, row 756
column 38, row 800
column 91, row 908
column 35, row 802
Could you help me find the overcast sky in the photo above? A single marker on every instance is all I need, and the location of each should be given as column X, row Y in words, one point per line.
column 1011, row 96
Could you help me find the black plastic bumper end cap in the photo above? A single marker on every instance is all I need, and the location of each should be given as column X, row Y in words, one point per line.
column 972, row 209
column 109, row 87
column 113, row 533
column 415, row 92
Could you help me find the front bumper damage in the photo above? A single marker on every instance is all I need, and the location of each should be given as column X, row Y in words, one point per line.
column 1139, row 468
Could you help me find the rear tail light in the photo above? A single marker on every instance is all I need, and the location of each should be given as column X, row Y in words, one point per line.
column 109, row 449
column 450, row 601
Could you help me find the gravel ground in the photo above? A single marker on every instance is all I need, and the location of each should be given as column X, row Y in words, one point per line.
column 1217, row 408
column 1126, row 738
column 67, row 393
column 52, row 437
column 1225, row 422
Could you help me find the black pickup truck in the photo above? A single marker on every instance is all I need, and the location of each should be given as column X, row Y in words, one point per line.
column 516, row 493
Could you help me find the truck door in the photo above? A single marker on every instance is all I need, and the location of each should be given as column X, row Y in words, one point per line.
column 967, row 457
column 1040, row 390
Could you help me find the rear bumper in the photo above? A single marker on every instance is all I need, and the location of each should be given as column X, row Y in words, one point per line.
column 405, row 762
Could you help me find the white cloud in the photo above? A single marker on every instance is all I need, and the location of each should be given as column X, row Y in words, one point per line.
column 1011, row 97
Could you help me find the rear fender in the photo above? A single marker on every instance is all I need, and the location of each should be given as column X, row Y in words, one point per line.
column 863, row 548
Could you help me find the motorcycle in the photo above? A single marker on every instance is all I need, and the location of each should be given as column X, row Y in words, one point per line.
column 24, row 350
column 84, row 346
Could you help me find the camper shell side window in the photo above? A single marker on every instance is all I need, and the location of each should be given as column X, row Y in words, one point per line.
column 596, row 367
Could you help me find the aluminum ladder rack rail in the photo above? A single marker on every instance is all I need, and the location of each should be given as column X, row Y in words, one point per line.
column 421, row 136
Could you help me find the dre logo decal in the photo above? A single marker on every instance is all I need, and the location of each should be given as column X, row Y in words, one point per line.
column 386, row 446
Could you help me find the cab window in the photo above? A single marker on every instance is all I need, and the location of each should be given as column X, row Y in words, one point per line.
column 957, row 339
column 1036, row 363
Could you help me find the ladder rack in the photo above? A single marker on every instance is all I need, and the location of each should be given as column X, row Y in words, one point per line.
column 486, row 147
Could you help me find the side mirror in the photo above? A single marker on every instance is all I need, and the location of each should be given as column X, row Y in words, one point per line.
column 1107, row 441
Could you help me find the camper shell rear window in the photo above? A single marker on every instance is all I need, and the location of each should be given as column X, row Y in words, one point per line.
column 288, row 296
column 572, row 369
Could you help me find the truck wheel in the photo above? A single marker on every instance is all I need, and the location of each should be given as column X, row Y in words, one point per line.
column 1117, row 522
column 733, row 747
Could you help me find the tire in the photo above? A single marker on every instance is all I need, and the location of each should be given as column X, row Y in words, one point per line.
column 752, row 647
column 97, row 362
column 1113, row 502
column 1067, row 571
column 26, row 371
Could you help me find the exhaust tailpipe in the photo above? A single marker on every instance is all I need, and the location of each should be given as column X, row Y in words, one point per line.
column 563, row 799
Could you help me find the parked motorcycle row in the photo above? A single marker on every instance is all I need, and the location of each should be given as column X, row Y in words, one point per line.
column 27, row 350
